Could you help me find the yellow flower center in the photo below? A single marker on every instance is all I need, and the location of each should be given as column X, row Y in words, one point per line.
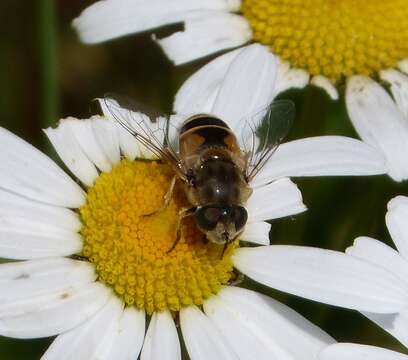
column 130, row 250
column 334, row 38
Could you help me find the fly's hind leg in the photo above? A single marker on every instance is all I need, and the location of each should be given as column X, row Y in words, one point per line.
column 167, row 198
column 182, row 215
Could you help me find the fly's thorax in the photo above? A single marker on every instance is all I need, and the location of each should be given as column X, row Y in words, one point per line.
column 210, row 151
column 218, row 180
column 203, row 132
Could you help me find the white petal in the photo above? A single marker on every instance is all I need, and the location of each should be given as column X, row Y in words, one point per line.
column 122, row 17
column 324, row 83
column 248, row 86
column 35, row 212
column 379, row 123
column 359, row 352
column 326, row 276
column 88, row 142
column 129, row 337
column 395, row 324
column 199, row 91
column 403, row 66
column 27, row 279
column 161, row 341
column 399, row 88
column 381, row 254
column 203, row 340
column 52, row 313
column 175, row 123
column 205, row 33
column 258, row 327
column 396, row 219
column 257, row 232
column 289, row 78
column 322, row 156
column 27, row 238
column 138, row 122
column 128, row 144
column 68, row 149
column 107, row 137
column 26, row 171
column 92, row 340
column 275, row 200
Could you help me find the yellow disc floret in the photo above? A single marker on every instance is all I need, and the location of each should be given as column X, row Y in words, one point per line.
column 334, row 38
column 127, row 236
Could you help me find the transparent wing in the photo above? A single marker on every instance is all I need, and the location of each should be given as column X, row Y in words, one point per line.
column 263, row 132
column 151, row 135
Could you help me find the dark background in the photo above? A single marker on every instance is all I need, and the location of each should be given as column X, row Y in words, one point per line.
column 46, row 74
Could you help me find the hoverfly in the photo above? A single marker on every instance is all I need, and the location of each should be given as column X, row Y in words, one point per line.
column 214, row 168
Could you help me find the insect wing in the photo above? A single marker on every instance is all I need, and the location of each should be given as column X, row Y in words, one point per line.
column 264, row 131
column 151, row 135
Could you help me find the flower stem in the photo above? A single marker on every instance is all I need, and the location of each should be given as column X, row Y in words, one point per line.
column 47, row 41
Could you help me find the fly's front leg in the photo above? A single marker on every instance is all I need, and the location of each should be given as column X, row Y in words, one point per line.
column 183, row 213
column 167, row 198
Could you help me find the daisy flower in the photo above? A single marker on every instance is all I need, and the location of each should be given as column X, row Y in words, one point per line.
column 317, row 266
column 380, row 119
column 395, row 261
column 91, row 265
column 359, row 352
column 328, row 40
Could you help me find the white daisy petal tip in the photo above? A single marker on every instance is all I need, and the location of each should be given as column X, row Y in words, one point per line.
column 257, row 233
column 199, row 91
column 205, row 33
column 322, row 156
column 399, row 88
column 403, row 66
column 290, row 78
column 358, row 241
column 396, row 220
column 325, row 84
column 397, row 201
column 52, row 313
column 357, row 83
column 348, row 351
column 247, row 86
column 124, row 17
column 325, row 276
column 380, row 121
column 390, row 75
column 275, row 200
column 64, row 142
column 233, row 5
column 35, row 175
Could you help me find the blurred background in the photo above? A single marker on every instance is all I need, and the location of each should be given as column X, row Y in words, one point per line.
column 46, row 74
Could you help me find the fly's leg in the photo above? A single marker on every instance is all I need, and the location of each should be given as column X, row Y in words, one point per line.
column 236, row 279
column 182, row 215
column 167, row 198
column 224, row 248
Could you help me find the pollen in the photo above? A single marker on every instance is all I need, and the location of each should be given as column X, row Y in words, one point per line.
column 334, row 38
column 128, row 233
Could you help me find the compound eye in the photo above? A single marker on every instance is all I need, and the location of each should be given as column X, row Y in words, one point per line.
column 207, row 217
column 240, row 217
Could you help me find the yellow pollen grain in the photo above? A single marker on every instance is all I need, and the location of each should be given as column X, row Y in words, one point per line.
column 334, row 38
column 130, row 250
